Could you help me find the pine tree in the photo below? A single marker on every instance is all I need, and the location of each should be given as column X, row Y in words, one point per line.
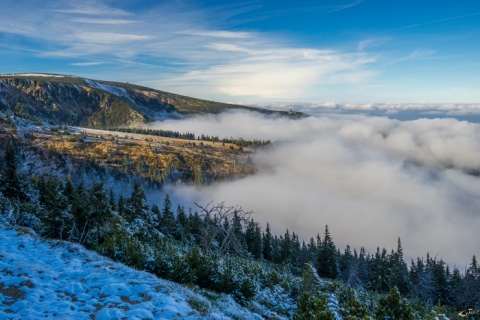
column 137, row 207
column 249, row 235
column 311, row 282
column 327, row 257
column 111, row 199
column 267, row 244
column 158, row 216
column 167, row 223
column 81, row 205
column 181, row 222
column 57, row 209
column 121, row 206
column 286, row 248
column 100, row 211
column 394, row 307
column 12, row 183
column 257, row 243
column 353, row 309
column 310, row 307
column 399, row 270
column 69, row 190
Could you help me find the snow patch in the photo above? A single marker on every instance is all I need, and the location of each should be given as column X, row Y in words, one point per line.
column 117, row 91
column 54, row 279
column 50, row 75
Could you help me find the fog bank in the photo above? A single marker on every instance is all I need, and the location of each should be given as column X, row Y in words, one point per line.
column 370, row 179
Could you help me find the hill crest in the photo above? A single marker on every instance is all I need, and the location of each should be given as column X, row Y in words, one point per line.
column 72, row 100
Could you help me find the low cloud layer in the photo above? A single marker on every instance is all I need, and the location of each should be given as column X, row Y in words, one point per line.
column 370, row 179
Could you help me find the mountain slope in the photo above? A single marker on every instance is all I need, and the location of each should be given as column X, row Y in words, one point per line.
column 53, row 279
column 83, row 102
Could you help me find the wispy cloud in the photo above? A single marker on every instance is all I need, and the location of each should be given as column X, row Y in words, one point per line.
column 231, row 63
column 432, row 22
column 103, row 21
column 278, row 73
column 86, row 64
column 110, row 37
column 345, row 6
column 371, row 42
column 217, row 34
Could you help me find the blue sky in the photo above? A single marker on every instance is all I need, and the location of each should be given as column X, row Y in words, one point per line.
column 344, row 51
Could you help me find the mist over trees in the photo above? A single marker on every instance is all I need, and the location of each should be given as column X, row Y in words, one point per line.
column 223, row 249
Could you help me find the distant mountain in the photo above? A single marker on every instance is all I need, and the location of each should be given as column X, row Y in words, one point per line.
column 72, row 100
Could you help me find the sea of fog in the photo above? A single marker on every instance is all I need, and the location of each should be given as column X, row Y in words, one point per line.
column 370, row 178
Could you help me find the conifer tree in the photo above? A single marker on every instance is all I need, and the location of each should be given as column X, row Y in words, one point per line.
column 12, row 183
column 158, row 216
column 311, row 282
column 267, row 244
column 167, row 223
column 257, row 243
column 121, row 205
column 56, row 208
column 286, row 248
column 137, row 205
column 310, row 307
column 69, row 190
column 249, row 235
column 181, row 222
column 394, row 307
column 100, row 210
column 354, row 310
column 327, row 257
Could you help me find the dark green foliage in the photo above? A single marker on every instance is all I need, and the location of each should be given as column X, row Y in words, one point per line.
column 311, row 307
column 136, row 206
column 190, row 136
column 394, row 307
column 100, row 211
column 310, row 280
column 56, row 208
column 253, row 239
column 327, row 257
column 267, row 244
column 12, row 182
column 353, row 309
column 167, row 220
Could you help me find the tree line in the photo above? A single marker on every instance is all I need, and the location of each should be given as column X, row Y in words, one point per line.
column 191, row 136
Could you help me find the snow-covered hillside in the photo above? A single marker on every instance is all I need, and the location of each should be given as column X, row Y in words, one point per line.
column 54, row 279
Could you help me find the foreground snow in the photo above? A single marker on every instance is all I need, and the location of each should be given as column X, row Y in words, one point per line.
column 53, row 279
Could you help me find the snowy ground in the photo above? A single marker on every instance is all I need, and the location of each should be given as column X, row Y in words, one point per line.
column 53, row 279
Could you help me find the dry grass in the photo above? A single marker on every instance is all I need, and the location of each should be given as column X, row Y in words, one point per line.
column 157, row 155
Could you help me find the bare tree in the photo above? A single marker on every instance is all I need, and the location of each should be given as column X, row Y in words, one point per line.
column 221, row 224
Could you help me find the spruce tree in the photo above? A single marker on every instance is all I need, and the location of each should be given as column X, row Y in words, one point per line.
column 310, row 307
column 12, row 183
column 257, row 243
column 137, row 204
column 267, row 244
column 100, row 209
column 181, row 223
column 69, row 190
column 167, row 223
column 327, row 257
column 394, row 307
column 286, row 248
column 57, row 210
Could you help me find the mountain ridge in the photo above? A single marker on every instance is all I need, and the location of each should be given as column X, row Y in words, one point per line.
column 73, row 100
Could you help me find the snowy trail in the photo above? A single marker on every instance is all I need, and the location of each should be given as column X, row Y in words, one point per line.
column 51, row 279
